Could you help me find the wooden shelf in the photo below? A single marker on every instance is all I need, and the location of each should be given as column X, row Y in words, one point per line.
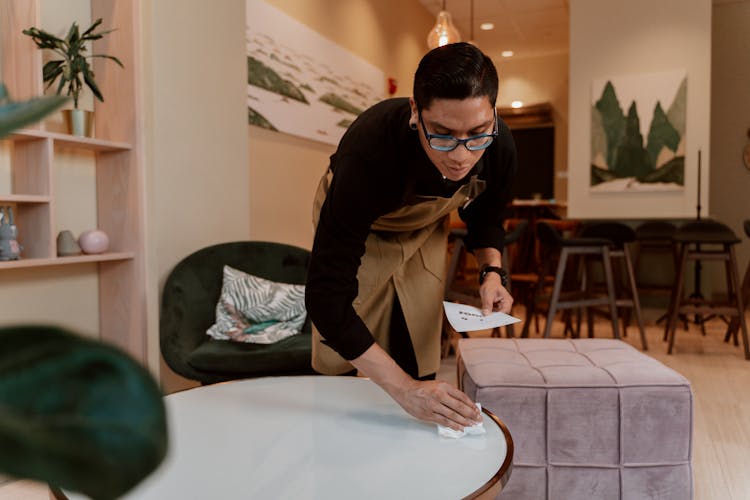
column 118, row 167
column 67, row 140
column 529, row 116
column 24, row 198
column 63, row 261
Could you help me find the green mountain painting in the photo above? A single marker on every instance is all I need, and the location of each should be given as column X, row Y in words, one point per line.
column 301, row 83
column 638, row 133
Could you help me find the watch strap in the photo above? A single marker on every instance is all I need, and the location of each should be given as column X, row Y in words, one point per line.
column 494, row 269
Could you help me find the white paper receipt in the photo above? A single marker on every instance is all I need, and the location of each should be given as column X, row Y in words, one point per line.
column 465, row 318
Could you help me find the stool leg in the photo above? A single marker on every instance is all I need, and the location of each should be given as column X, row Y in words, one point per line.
column 733, row 323
column 636, row 300
column 676, row 298
column 611, row 292
column 556, row 292
column 734, row 326
column 587, row 284
column 667, row 325
column 740, row 304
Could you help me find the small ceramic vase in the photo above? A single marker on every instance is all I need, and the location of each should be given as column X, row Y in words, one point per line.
column 94, row 241
column 66, row 244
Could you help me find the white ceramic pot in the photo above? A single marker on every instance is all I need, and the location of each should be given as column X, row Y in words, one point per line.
column 93, row 241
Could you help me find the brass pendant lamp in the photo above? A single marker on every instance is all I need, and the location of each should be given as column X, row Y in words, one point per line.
column 444, row 31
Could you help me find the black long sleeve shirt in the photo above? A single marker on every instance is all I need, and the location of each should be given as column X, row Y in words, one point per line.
column 380, row 166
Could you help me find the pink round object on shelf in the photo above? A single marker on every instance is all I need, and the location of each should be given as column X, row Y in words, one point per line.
column 93, row 241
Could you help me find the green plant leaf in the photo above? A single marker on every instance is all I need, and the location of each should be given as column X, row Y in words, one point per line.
column 51, row 70
column 73, row 35
column 43, row 39
column 92, row 27
column 16, row 115
column 61, row 85
column 113, row 58
column 77, row 413
column 88, row 77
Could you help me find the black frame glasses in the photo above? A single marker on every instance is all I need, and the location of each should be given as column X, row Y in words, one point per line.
column 445, row 143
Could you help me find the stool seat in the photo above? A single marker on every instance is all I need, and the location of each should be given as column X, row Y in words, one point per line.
column 655, row 230
column 590, row 418
column 616, row 232
column 705, row 231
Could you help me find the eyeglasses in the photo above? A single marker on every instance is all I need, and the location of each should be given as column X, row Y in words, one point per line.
column 442, row 142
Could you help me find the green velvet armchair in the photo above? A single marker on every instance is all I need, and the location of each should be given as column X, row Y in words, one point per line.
column 188, row 309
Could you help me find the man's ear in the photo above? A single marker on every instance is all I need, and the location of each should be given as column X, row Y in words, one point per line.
column 414, row 118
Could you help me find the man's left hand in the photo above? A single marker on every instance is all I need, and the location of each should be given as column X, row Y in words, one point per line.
column 495, row 298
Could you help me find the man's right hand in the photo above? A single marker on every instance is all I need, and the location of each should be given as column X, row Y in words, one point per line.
column 438, row 402
column 429, row 400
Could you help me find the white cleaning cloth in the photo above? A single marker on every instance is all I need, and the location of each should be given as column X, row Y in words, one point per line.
column 474, row 429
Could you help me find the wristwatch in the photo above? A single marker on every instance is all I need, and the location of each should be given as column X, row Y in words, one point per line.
column 494, row 269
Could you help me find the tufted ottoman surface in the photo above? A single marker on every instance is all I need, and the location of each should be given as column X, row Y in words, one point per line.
column 590, row 418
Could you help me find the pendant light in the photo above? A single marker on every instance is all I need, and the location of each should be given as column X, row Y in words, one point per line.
column 444, row 31
column 471, row 23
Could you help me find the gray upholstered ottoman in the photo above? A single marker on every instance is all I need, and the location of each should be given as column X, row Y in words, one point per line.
column 591, row 419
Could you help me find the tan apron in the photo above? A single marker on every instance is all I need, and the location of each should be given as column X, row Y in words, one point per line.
column 405, row 254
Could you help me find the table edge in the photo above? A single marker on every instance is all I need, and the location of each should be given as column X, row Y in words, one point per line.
column 504, row 472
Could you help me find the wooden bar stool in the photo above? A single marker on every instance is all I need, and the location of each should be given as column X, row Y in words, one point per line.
column 570, row 248
column 654, row 239
column 626, row 294
column 707, row 240
column 734, row 325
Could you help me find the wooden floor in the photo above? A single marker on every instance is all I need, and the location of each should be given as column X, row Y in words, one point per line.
column 721, row 383
column 720, row 378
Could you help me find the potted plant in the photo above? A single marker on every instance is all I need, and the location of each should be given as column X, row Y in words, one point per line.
column 73, row 69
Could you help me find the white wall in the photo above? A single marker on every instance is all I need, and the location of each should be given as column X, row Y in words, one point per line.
column 616, row 38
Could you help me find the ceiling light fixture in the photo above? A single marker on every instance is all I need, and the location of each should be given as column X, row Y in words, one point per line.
column 444, row 31
column 507, row 53
column 487, row 26
column 516, row 104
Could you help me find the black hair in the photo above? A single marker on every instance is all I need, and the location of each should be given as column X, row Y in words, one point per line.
column 454, row 71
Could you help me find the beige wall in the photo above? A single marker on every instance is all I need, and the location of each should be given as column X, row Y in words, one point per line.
column 730, row 119
column 539, row 80
column 284, row 169
column 196, row 134
column 613, row 38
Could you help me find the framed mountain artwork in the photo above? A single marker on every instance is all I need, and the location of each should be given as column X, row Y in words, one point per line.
column 300, row 82
column 638, row 132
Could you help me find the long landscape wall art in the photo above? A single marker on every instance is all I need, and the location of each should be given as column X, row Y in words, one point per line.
column 301, row 83
column 638, row 133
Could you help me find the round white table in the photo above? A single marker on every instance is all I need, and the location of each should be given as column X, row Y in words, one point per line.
column 317, row 437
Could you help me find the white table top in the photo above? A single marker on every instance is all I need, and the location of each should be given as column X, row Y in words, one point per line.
column 317, row 437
